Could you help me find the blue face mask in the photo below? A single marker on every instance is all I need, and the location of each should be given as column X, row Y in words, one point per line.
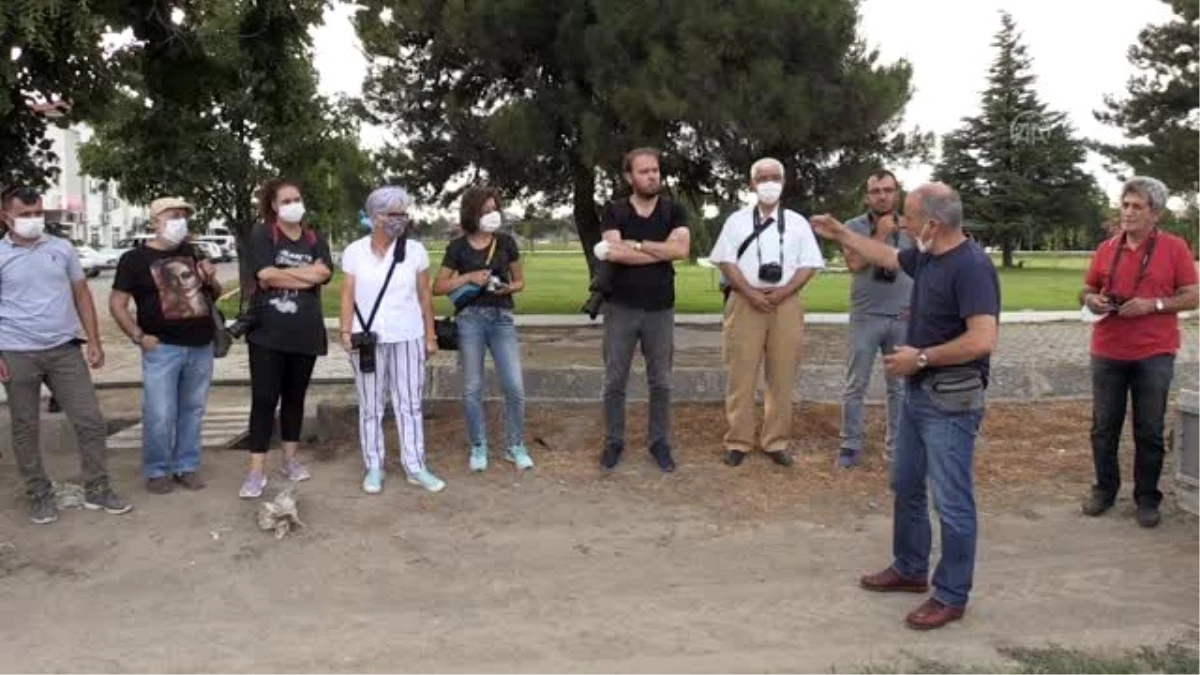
column 395, row 226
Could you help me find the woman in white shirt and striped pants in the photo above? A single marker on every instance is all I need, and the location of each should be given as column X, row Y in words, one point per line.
column 387, row 287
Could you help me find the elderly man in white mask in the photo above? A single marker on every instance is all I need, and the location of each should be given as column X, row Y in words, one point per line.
column 172, row 289
column 766, row 254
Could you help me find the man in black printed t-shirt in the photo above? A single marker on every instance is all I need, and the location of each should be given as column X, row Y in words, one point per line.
column 643, row 235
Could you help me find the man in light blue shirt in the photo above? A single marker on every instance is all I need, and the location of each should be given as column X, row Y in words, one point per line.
column 44, row 297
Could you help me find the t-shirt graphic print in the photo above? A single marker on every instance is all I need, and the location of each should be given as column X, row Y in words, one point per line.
column 180, row 288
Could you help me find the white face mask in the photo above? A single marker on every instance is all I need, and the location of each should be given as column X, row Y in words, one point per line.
column 490, row 222
column 292, row 213
column 174, row 231
column 29, row 228
column 922, row 245
column 769, row 192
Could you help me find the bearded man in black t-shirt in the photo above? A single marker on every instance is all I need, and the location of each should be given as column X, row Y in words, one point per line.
column 643, row 235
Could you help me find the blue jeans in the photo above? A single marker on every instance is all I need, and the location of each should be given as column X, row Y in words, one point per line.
column 940, row 445
column 175, row 382
column 482, row 329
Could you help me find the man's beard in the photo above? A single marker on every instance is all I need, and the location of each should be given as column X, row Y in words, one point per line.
column 648, row 194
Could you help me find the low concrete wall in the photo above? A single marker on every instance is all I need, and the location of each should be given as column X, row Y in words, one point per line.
column 816, row 382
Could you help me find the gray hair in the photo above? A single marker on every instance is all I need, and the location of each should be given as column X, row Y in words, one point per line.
column 1151, row 189
column 941, row 203
column 387, row 197
column 764, row 163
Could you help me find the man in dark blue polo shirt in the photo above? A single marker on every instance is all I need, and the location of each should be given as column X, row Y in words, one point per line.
column 955, row 312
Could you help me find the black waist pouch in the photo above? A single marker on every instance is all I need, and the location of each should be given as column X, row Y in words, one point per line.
column 955, row 388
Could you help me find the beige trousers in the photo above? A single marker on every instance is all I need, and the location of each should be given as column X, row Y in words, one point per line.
column 749, row 339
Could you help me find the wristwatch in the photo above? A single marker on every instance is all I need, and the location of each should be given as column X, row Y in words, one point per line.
column 922, row 360
column 137, row 338
column 1158, row 305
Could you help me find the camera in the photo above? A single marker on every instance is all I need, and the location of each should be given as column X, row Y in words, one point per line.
column 495, row 283
column 364, row 344
column 242, row 325
column 885, row 275
column 600, row 288
column 1114, row 303
column 771, row 273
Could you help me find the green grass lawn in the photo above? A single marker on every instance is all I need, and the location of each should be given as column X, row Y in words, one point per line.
column 557, row 283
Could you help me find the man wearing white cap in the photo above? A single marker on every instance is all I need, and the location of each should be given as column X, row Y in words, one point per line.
column 173, row 290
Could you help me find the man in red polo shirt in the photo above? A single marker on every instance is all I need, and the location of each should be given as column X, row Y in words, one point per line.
column 1138, row 281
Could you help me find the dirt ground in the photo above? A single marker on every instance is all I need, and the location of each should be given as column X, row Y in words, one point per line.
column 562, row 569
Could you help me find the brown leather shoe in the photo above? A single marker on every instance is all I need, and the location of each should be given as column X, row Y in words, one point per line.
column 160, row 485
column 933, row 614
column 190, row 480
column 890, row 581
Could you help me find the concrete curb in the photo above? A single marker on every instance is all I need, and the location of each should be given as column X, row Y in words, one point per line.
column 833, row 318
column 817, row 382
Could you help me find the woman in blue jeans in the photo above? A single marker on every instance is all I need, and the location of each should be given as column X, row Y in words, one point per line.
column 481, row 271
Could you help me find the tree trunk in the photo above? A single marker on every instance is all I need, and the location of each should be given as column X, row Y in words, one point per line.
column 587, row 220
column 1007, row 250
column 242, row 225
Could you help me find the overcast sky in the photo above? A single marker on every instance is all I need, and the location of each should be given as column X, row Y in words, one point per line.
column 1075, row 64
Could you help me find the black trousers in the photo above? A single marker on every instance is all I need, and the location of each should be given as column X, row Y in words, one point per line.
column 277, row 378
column 1148, row 382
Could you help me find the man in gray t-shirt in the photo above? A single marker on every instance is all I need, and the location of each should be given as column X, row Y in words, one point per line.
column 44, row 299
column 878, row 316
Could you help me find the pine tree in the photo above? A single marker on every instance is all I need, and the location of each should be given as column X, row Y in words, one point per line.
column 1159, row 115
column 1017, row 164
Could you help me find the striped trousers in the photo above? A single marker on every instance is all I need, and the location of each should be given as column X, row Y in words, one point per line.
column 400, row 370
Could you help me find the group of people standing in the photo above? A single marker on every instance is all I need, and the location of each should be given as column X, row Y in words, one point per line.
column 924, row 295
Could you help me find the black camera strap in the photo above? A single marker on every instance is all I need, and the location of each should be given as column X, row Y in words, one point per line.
column 752, row 238
column 1151, row 244
column 759, row 228
column 397, row 258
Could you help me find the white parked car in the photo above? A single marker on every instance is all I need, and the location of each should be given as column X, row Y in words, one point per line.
column 109, row 256
column 225, row 243
column 90, row 260
column 133, row 242
column 209, row 250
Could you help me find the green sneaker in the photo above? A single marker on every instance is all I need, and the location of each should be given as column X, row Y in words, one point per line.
column 427, row 480
column 518, row 455
column 479, row 457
